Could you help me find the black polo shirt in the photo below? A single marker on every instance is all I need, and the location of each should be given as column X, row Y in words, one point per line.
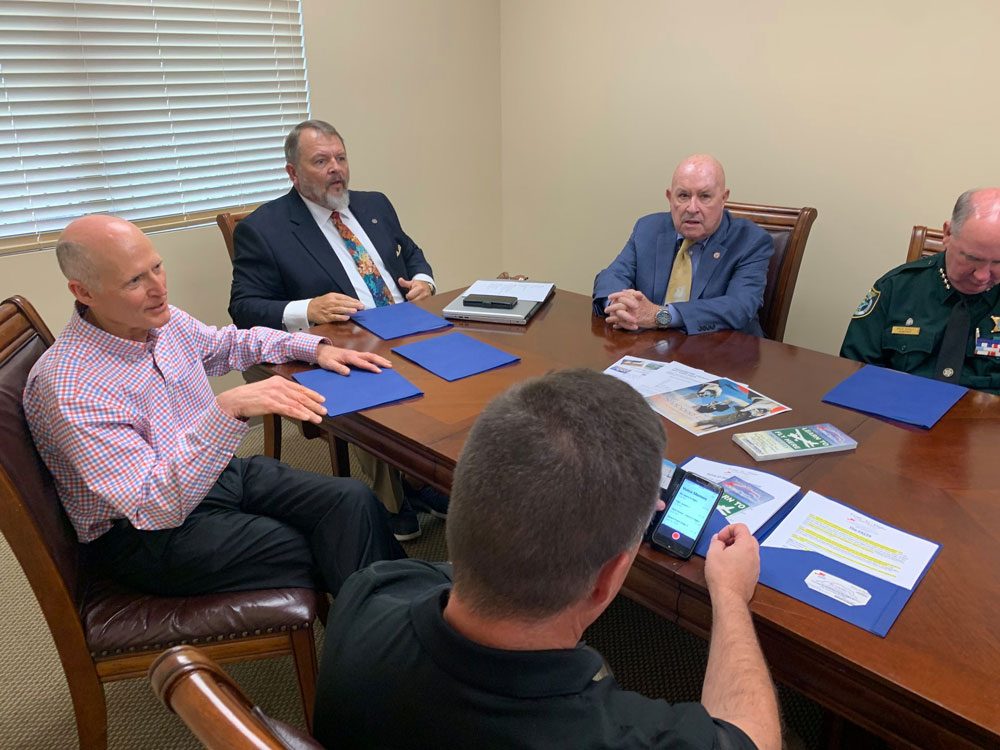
column 394, row 674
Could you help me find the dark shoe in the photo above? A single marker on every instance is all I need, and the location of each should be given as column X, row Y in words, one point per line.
column 405, row 525
column 428, row 500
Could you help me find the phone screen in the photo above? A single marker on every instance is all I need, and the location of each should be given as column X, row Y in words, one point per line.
column 686, row 516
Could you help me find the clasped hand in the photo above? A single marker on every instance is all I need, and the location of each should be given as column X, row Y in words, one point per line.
column 629, row 310
column 286, row 398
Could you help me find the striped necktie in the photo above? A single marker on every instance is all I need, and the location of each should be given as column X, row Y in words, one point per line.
column 679, row 285
column 366, row 267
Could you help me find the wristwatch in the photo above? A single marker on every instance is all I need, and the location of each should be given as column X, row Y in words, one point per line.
column 663, row 317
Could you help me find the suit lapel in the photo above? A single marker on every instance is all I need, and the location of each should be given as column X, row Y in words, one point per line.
column 305, row 231
column 709, row 264
column 666, row 248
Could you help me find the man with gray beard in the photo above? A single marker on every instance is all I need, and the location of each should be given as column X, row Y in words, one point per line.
column 318, row 255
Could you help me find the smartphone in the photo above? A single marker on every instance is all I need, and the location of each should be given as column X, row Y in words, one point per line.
column 690, row 501
column 489, row 300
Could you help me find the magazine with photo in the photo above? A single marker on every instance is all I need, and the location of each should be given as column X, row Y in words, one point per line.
column 716, row 405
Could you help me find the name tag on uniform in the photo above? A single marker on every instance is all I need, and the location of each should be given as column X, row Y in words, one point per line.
column 906, row 330
column 988, row 347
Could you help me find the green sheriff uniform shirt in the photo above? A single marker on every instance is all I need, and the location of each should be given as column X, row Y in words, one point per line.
column 900, row 324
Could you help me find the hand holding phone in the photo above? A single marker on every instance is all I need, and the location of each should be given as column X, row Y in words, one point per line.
column 690, row 502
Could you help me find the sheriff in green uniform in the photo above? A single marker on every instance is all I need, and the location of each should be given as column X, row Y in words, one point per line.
column 939, row 317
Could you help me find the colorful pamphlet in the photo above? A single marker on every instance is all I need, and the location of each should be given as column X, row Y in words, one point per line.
column 713, row 406
column 785, row 442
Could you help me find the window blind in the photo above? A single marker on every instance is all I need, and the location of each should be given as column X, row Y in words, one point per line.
column 159, row 111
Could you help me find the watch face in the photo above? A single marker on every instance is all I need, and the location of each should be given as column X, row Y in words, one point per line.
column 663, row 318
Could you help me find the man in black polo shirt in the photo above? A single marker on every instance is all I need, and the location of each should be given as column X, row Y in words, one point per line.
column 545, row 521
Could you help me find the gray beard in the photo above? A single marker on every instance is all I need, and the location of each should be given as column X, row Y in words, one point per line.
column 339, row 203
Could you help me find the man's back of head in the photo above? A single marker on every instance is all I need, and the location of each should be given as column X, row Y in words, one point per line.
column 541, row 499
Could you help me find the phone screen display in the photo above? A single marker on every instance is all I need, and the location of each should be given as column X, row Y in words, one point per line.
column 686, row 516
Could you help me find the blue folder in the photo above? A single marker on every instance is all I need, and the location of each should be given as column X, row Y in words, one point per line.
column 359, row 390
column 896, row 395
column 455, row 356
column 786, row 570
column 717, row 522
column 394, row 321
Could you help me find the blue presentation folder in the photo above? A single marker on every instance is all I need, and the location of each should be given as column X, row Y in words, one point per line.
column 395, row 321
column 359, row 390
column 785, row 570
column 717, row 522
column 896, row 395
column 455, row 356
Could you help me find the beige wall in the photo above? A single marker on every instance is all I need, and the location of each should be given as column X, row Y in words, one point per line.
column 877, row 114
column 413, row 86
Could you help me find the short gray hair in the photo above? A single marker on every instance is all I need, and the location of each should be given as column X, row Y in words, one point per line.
column 559, row 474
column 292, row 139
column 76, row 264
column 963, row 210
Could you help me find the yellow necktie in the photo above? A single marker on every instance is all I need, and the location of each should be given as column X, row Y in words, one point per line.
column 679, row 285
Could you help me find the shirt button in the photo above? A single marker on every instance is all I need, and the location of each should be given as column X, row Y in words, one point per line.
column 948, row 372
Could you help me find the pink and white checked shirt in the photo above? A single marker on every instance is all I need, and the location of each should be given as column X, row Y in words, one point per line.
column 132, row 430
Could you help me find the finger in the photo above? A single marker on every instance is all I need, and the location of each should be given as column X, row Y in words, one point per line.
column 403, row 283
column 377, row 359
column 362, row 363
column 413, row 294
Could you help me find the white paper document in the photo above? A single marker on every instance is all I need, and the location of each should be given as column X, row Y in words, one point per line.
column 648, row 376
column 533, row 291
column 749, row 496
column 818, row 524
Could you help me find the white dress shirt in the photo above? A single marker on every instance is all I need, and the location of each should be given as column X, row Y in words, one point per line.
column 295, row 316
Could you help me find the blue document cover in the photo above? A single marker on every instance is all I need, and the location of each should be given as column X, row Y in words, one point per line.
column 395, row 321
column 718, row 520
column 455, row 356
column 896, row 395
column 821, row 581
column 359, row 390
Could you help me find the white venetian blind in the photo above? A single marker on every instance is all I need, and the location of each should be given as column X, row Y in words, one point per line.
column 160, row 111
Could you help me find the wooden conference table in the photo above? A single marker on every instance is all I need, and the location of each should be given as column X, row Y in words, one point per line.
column 932, row 682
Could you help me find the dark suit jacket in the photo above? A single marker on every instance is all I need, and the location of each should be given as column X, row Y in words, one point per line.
column 726, row 291
column 281, row 256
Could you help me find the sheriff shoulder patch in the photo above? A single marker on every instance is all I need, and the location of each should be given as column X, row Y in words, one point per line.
column 868, row 303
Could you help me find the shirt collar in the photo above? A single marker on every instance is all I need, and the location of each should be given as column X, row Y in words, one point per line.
column 519, row 674
column 321, row 213
column 115, row 346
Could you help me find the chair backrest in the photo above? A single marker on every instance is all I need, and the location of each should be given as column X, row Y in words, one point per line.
column 31, row 516
column 214, row 708
column 923, row 242
column 789, row 228
column 227, row 223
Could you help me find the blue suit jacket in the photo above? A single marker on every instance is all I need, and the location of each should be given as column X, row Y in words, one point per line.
column 726, row 291
column 281, row 256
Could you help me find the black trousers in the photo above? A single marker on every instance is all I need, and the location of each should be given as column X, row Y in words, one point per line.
column 262, row 525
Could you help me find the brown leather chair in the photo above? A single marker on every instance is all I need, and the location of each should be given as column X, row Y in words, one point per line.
column 789, row 228
column 214, row 708
column 923, row 242
column 272, row 423
column 102, row 631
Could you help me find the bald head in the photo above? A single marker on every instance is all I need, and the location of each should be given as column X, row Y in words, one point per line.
column 697, row 196
column 972, row 242
column 982, row 203
column 701, row 164
column 88, row 245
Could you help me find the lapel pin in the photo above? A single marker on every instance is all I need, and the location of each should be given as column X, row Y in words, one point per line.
column 716, row 255
column 374, row 221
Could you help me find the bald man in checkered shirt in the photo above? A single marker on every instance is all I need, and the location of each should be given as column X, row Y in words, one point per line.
column 141, row 449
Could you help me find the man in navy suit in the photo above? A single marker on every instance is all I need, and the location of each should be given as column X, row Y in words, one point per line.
column 318, row 255
column 696, row 268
